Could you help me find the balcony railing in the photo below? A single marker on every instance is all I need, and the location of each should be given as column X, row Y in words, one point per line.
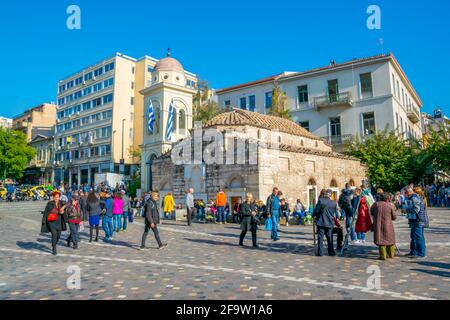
column 338, row 140
column 412, row 113
column 340, row 99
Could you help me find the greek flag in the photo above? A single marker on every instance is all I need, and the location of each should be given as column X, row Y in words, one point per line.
column 170, row 122
column 151, row 117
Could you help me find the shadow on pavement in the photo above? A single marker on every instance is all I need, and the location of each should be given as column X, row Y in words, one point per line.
column 444, row 274
column 434, row 264
column 33, row 245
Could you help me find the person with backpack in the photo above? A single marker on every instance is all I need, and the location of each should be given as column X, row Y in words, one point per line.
column 345, row 203
column 152, row 219
column 94, row 210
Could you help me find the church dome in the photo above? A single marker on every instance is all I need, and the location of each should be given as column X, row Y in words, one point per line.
column 169, row 64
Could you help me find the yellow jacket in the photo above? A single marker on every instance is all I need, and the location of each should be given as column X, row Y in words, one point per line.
column 169, row 203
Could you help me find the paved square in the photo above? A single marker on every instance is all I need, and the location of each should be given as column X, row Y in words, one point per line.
column 205, row 262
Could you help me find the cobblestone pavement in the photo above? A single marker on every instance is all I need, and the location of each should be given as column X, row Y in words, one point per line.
column 205, row 262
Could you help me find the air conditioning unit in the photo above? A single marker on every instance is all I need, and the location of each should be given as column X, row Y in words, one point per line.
column 94, row 78
column 58, row 120
column 84, row 83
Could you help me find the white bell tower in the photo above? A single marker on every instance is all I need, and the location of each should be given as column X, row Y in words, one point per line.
column 168, row 87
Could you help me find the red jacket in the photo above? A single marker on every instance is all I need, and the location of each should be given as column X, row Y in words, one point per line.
column 364, row 222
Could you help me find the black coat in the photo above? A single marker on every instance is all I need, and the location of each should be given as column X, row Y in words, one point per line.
column 248, row 222
column 61, row 223
column 324, row 212
column 151, row 213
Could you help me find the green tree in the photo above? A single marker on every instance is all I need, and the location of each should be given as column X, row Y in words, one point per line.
column 280, row 103
column 15, row 154
column 204, row 108
column 438, row 149
column 392, row 162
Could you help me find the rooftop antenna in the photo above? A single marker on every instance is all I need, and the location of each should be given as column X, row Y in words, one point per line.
column 381, row 44
column 168, row 52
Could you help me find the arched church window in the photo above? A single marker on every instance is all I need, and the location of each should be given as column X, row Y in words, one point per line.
column 333, row 183
column 182, row 122
column 175, row 120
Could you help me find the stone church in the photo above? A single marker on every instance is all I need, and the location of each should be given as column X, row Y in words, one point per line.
column 254, row 153
column 239, row 151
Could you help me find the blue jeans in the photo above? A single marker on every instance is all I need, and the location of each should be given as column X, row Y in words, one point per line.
column 221, row 214
column 417, row 247
column 107, row 225
column 275, row 219
column 350, row 228
column 361, row 236
column 125, row 219
column 117, row 219
column 200, row 214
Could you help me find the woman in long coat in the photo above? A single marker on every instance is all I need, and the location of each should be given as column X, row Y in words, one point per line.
column 364, row 222
column 383, row 214
column 54, row 219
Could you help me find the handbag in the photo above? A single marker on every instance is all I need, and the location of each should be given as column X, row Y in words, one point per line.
column 268, row 225
column 53, row 215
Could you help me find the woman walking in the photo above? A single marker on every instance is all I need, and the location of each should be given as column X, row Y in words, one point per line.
column 75, row 217
column 117, row 212
column 383, row 227
column 363, row 223
column 54, row 219
column 248, row 212
column 94, row 210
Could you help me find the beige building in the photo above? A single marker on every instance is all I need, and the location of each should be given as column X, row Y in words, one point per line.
column 40, row 169
column 6, row 123
column 100, row 118
column 42, row 117
column 261, row 152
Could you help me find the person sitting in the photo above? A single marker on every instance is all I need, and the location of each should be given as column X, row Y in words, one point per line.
column 285, row 210
column 299, row 212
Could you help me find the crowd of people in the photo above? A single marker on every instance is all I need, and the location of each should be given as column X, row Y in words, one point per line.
column 362, row 212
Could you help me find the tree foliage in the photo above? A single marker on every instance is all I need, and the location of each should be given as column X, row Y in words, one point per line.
column 391, row 162
column 204, row 108
column 280, row 103
column 15, row 154
column 438, row 149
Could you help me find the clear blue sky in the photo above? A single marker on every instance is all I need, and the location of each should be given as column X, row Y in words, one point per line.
column 224, row 42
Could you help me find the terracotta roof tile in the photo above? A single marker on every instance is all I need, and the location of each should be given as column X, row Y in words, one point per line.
column 239, row 117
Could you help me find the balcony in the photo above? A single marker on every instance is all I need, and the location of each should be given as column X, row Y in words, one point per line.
column 413, row 114
column 338, row 140
column 334, row 100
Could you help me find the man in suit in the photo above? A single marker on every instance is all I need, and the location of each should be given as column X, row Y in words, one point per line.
column 152, row 220
column 323, row 215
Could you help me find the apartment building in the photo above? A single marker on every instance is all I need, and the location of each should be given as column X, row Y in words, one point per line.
column 30, row 122
column 341, row 100
column 100, row 118
column 6, row 123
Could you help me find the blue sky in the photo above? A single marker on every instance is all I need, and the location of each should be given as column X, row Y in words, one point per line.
column 224, row 42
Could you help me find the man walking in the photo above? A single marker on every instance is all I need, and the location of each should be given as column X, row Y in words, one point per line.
column 323, row 214
column 107, row 220
column 126, row 209
column 221, row 202
column 273, row 210
column 190, row 205
column 152, row 220
column 418, row 220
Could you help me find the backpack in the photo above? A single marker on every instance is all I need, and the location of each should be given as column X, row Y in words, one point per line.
column 343, row 200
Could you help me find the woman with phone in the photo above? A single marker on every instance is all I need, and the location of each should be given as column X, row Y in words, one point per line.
column 54, row 219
